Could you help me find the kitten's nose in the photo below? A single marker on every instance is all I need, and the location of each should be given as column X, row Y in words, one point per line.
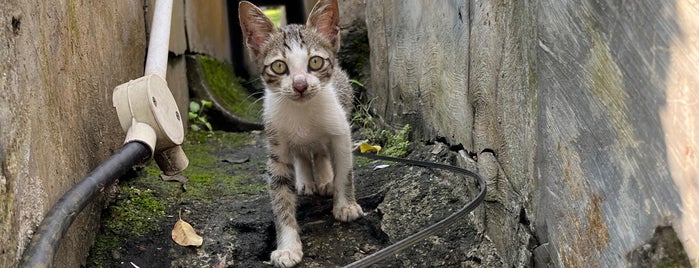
column 300, row 85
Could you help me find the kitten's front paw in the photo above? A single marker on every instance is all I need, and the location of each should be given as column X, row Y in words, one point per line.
column 348, row 213
column 286, row 258
column 326, row 188
column 305, row 188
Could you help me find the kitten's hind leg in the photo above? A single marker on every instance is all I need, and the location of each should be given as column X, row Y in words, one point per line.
column 304, row 174
column 324, row 173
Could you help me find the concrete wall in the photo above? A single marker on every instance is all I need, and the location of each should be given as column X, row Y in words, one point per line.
column 583, row 115
column 59, row 62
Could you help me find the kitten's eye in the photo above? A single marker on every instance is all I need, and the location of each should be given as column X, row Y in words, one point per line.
column 315, row 63
column 278, row 67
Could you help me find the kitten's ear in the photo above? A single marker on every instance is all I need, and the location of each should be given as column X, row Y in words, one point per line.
column 325, row 18
column 255, row 25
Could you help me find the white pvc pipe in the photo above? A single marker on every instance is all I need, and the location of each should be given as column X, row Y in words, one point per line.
column 159, row 42
column 172, row 160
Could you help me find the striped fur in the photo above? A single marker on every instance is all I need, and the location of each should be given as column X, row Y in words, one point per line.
column 306, row 112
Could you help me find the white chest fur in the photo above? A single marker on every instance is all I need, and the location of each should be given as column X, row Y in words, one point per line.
column 306, row 122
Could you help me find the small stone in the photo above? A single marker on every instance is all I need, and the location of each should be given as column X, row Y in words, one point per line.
column 437, row 148
column 236, row 160
column 115, row 254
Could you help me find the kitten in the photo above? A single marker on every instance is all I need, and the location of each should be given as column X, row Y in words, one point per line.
column 307, row 104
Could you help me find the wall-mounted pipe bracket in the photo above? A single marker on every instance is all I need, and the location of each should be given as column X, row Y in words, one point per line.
column 148, row 113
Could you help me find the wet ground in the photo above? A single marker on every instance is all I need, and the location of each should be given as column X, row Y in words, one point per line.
column 226, row 201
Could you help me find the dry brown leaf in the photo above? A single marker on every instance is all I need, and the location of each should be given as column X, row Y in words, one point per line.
column 184, row 234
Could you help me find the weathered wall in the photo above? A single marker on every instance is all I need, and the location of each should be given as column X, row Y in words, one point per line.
column 582, row 115
column 207, row 28
column 617, row 127
column 59, row 62
column 354, row 50
column 463, row 71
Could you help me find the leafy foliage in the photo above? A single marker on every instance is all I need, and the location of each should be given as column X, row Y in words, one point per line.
column 393, row 143
column 197, row 119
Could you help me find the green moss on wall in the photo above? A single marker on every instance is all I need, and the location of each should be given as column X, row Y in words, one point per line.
column 608, row 86
column 226, row 86
column 73, row 22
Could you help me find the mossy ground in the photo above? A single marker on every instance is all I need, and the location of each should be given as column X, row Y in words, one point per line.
column 147, row 205
column 226, row 202
column 135, row 212
column 208, row 172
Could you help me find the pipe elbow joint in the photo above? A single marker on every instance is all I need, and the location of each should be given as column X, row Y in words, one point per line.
column 142, row 132
column 148, row 113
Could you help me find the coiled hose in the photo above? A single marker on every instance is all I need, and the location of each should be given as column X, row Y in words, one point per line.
column 42, row 248
column 441, row 225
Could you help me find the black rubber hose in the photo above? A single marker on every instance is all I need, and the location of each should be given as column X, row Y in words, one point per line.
column 45, row 241
column 441, row 225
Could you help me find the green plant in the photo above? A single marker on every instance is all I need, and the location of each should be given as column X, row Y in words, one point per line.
column 197, row 118
column 356, row 82
column 363, row 118
column 393, row 143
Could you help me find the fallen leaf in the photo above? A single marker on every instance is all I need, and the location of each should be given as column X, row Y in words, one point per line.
column 365, row 147
column 184, row 234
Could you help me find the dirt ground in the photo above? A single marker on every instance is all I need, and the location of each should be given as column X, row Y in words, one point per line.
column 234, row 216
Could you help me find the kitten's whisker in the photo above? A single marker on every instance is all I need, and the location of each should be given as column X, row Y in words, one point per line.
column 257, row 112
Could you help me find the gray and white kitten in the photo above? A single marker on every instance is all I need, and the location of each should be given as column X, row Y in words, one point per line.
column 306, row 109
